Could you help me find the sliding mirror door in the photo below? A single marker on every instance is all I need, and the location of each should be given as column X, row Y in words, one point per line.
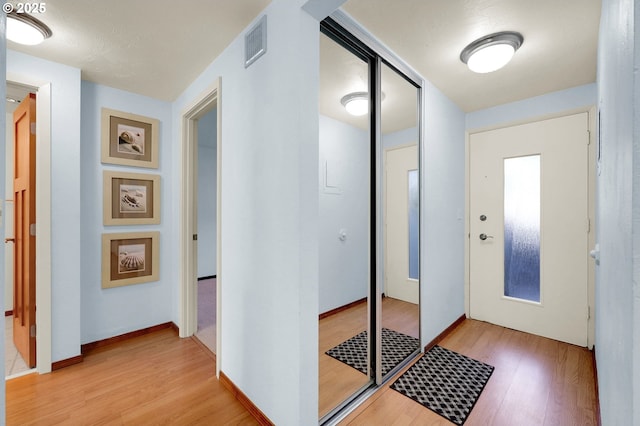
column 400, row 212
column 369, row 205
column 345, row 207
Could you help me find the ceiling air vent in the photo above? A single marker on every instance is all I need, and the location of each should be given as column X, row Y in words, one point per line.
column 255, row 42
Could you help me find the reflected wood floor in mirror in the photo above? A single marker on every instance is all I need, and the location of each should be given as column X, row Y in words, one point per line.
column 338, row 381
column 536, row 381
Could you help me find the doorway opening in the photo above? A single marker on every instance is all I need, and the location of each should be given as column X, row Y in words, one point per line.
column 200, row 220
column 206, row 201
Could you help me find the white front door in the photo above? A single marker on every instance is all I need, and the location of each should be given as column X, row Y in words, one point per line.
column 401, row 232
column 529, row 226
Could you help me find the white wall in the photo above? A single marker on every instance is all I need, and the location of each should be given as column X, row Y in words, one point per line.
column 345, row 205
column 618, row 207
column 3, row 68
column 442, row 226
column 65, row 187
column 109, row 312
column 207, row 185
column 401, row 137
column 636, row 223
column 550, row 103
column 269, row 280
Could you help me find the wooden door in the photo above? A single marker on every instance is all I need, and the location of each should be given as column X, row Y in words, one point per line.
column 529, row 227
column 24, row 196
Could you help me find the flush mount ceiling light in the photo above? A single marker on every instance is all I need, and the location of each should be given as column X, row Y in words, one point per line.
column 357, row 103
column 25, row 29
column 492, row 52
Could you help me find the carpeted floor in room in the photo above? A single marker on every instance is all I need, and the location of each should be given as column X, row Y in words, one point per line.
column 207, row 313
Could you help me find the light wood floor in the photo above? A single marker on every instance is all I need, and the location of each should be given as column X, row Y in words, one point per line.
column 154, row 379
column 161, row 379
column 536, row 381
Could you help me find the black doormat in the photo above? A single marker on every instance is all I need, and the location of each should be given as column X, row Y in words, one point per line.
column 445, row 382
column 396, row 347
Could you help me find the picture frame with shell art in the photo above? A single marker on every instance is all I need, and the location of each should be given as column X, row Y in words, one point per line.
column 131, row 198
column 129, row 139
column 130, row 258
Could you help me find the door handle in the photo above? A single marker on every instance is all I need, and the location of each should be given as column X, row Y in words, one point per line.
column 9, row 240
column 485, row 236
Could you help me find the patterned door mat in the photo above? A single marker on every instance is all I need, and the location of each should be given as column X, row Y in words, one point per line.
column 396, row 347
column 445, row 382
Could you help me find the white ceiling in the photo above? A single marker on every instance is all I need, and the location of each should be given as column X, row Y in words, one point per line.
column 151, row 47
column 559, row 49
column 156, row 48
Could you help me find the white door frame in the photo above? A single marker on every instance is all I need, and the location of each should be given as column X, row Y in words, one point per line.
column 386, row 151
column 188, row 214
column 43, row 218
column 591, row 205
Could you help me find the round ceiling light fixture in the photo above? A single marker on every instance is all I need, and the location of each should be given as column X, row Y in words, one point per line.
column 25, row 29
column 492, row 52
column 357, row 103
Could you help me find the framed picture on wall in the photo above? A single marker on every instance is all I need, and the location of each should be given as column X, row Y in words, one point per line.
column 130, row 258
column 129, row 139
column 131, row 198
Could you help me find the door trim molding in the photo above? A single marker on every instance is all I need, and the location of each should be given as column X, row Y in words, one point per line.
column 43, row 235
column 384, row 278
column 591, row 185
column 203, row 103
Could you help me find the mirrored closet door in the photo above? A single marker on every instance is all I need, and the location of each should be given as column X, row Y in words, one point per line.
column 369, row 204
column 400, row 219
column 345, row 224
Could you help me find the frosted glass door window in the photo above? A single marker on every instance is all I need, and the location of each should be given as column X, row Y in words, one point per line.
column 522, row 227
column 414, row 223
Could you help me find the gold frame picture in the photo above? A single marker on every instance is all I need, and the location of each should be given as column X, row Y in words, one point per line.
column 129, row 139
column 130, row 258
column 131, row 198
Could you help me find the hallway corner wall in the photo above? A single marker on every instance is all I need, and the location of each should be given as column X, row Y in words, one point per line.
column 65, row 187
column 269, row 271
column 110, row 312
column 618, row 212
column 442, row 236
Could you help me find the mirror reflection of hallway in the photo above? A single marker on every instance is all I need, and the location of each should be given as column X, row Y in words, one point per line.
column 345, row 210
column 206, row 213
column 401, row 213
column 361, row 239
